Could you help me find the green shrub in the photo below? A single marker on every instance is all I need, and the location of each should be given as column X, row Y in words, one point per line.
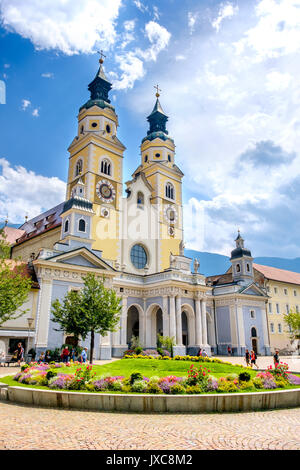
column 227, row 387
column 246, row 385
column 50, row 374
column 257, row 382
column 139, row 386
column 153, row 388
column 231, row 377
column 41, row 380
column 193, row 389
column 116, row 386
column 90, row 387
column 281, row 382
column 244, row 377
column 135, row 376
column 25, row 366
column 177, row 389
column 138, row 350
column 160, row 351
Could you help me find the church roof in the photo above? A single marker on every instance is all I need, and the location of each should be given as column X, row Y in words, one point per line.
column 277, row 274
column 41, row 223
column 12, row 234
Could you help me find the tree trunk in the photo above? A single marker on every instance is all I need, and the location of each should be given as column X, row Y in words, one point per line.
column 92, row 346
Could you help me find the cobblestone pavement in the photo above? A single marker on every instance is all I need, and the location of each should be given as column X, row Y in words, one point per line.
column 26, row 427
column 264, row 361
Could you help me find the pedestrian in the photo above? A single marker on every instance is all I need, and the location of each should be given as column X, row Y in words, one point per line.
column 229, row 351
column 2, row 357
column 65, row 354
column 247, row 358
column 73, row 354
column 20, row 353
column 253, row 359
column 200, row 352
column 84, row 355
column 276, row 358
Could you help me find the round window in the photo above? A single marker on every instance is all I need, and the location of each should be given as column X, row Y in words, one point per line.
column 138, row 256
column 94, row 124
column 157, row 155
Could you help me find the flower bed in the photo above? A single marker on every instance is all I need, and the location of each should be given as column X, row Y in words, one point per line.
column 199, row 380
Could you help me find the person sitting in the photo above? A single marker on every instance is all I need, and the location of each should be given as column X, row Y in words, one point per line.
column 42, row 357
column 47, row 357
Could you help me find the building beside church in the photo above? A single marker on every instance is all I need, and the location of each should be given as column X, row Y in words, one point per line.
column 136, row 242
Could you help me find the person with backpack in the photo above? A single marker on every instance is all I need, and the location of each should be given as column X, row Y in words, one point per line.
column 253, row 357
column 247, row 358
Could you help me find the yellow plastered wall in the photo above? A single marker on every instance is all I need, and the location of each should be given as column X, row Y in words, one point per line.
column 281, row 340
column 45, row 240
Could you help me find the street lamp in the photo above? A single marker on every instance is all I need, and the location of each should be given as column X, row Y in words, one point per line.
column 30, row 323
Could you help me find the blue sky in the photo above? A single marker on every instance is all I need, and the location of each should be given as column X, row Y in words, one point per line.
column 229, row 74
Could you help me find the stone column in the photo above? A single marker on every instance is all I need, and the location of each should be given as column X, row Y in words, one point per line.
column 124, row 322
column 43, row 316
column 204, row 323
column 166, row 326
column 178, row 321
column 265, row 331
column 240, row 329
column 172, row 317
column 198, row 335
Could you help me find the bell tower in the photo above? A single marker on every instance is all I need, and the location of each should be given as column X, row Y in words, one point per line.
column 165, row 178
column 96, row 163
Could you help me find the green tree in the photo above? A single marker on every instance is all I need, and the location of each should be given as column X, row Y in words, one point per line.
column 166, row 342
column 292, row 320
column 93, row 309
column 15, row 284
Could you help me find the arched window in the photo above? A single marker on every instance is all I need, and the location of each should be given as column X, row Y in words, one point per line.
column 78, row 168
column 253, row 332
column 248, row 267
column 66, row 226
column 140, row 198
column 106, row 167
column 170, row 191
column 238, row 268
column 81, row 225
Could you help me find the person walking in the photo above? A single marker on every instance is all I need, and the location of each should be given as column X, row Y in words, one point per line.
column 253, row 359
column 247, row 357
column 84, row 355
column 65, row 354
column 20, row 353
column 276, row 358
column 47, row 357
column 229, row 351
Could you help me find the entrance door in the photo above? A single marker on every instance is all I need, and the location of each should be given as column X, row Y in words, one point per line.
column 254, row 345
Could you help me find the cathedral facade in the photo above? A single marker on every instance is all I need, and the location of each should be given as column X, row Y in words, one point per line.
column 136, row 243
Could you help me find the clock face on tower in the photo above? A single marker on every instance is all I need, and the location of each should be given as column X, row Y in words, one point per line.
column 105, row 191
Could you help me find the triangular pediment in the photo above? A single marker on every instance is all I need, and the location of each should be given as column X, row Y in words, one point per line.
column 253, row 289
column 82, row 257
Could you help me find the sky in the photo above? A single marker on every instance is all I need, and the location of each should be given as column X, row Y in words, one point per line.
column 229, row 79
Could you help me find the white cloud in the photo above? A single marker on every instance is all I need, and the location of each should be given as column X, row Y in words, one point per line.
column 227, row 10
column 6, row 66
column 25, row 104
column 47, row 75
column 70, row 26
column 192, row 18
column 277, row 81
column 24, row 192
column 143, row 8
column 221, row 105
column 277, row 31
column 35, row 112
column 131, row 63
